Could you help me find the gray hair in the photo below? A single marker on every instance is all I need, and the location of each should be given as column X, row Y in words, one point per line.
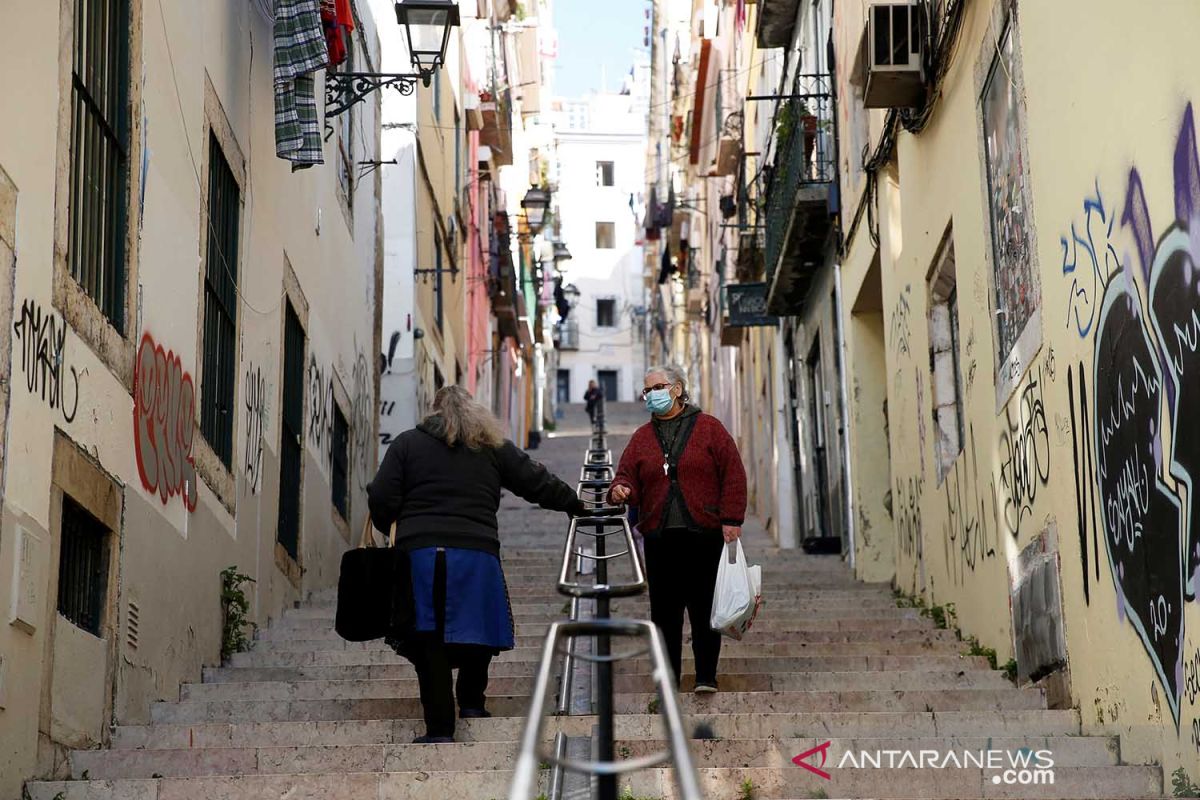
column 459, row 418
column 675, row 375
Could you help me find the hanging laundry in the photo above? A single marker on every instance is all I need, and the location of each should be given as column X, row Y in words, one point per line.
column 300, row 49
column 650, row 222
column 667, row 267
column 337, row 20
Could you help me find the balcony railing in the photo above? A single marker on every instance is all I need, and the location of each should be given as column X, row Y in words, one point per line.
column 566, row 334
column 805, row 160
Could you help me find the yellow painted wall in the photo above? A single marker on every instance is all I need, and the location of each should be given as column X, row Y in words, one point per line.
column 1110, row 147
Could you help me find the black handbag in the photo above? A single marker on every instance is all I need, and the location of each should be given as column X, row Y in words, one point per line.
column 374, row 596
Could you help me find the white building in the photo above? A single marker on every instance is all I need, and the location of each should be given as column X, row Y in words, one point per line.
column 601, row 151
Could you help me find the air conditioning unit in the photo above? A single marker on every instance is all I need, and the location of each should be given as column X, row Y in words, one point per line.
column 892, row 43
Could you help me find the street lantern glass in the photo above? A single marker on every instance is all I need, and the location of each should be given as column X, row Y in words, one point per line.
column 427, row 24
column 536, row 201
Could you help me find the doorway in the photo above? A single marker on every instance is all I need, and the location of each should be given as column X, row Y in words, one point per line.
column 607, row 378
column 817, row 413
column 563, row 387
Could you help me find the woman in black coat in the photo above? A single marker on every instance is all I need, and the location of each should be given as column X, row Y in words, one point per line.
column 440, row 483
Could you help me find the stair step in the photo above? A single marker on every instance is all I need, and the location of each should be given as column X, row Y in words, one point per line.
column 744, row 661
column 401, row 679
column 192, row 711
column 1093, row 782
column 171, row 763
column 1010, row 699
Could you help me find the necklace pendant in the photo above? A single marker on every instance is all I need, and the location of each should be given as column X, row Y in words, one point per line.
column 666, row 469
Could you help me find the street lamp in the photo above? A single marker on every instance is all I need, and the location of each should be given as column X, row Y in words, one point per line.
column 561, row 253
column 427, row 25
column 535, row 203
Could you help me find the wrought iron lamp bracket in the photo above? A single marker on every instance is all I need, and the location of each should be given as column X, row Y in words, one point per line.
column 346, row 89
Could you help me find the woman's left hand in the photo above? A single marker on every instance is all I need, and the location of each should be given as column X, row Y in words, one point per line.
column 731, row 532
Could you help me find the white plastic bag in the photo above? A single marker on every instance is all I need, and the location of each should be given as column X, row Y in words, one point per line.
column 738, row 593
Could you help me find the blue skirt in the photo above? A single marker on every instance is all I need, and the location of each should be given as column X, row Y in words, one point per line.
column 477, row 605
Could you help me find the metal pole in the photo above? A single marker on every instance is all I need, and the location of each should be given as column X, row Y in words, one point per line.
column 606, row 785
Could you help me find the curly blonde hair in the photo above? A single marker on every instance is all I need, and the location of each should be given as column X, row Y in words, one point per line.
column 459, row 419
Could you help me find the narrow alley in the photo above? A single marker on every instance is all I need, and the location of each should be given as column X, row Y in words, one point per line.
column 835, row 668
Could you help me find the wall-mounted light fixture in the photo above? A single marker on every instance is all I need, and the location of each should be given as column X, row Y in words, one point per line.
column 427, row 25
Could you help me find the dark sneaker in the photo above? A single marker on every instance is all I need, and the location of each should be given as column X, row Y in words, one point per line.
column 474, row 713
column 706, row 687
column 434, row 740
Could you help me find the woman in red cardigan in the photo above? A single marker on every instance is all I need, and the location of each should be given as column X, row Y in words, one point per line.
column 683, row 472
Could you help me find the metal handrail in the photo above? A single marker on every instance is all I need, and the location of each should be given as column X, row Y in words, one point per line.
column 596, row 473
column 530, row 758
column 604, row 589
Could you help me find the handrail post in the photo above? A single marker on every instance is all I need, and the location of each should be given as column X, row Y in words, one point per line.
column 606, row 786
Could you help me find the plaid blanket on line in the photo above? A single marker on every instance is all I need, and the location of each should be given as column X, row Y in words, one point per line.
column 300, row 50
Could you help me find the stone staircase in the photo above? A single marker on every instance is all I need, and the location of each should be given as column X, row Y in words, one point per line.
column 306, row 715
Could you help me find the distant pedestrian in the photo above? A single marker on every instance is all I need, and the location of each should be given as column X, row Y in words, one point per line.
column 593, row 397
column 440, row 482
column 683, row 472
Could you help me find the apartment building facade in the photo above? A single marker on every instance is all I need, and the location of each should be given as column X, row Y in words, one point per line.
column 188, row 356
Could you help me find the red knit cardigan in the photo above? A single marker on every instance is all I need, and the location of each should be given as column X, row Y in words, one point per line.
column 711, row 476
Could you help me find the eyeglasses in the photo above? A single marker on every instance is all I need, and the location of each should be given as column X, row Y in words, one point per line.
column 654, row 388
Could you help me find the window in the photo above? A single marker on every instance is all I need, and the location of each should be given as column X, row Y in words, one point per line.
column 605, row 236
column 606, row 313
column 457, row 158
column 604, row 173
column 341, row 463
column 100, row 154
column 437, row 95
column 439, row 306
column 943, row 359
column 291, row 444
column 82, row 567
column 1017, row 292
column 220, row 306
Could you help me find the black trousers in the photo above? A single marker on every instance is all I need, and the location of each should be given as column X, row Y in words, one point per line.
column 434, row 661
column 681, row 567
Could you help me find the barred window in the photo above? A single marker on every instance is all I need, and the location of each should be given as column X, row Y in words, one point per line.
column 100, row 153
column 82, row 567
column 220, row 305
column 291, row 442
column 341, row 463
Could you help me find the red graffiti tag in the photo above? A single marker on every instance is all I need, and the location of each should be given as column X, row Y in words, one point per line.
column 164, row 422
column 823, row 749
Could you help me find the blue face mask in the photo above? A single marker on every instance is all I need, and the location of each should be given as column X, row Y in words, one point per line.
column 659, row 401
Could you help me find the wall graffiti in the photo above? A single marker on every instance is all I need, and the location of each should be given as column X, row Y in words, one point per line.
column 43, row 339
column 971, row 529
column 921, row 418
column 1085, row 491
column 320, row 411
column 901, row 323
column 362, row 405
column 1024, row 452
column 1088, row 262
column 907, row 502
column 1145, row 353
column 164, row 423
column 255, row 390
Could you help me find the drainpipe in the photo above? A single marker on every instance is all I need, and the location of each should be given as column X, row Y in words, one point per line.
column 841, row 334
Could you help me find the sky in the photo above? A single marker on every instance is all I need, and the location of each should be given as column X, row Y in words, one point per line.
column 596, row 38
